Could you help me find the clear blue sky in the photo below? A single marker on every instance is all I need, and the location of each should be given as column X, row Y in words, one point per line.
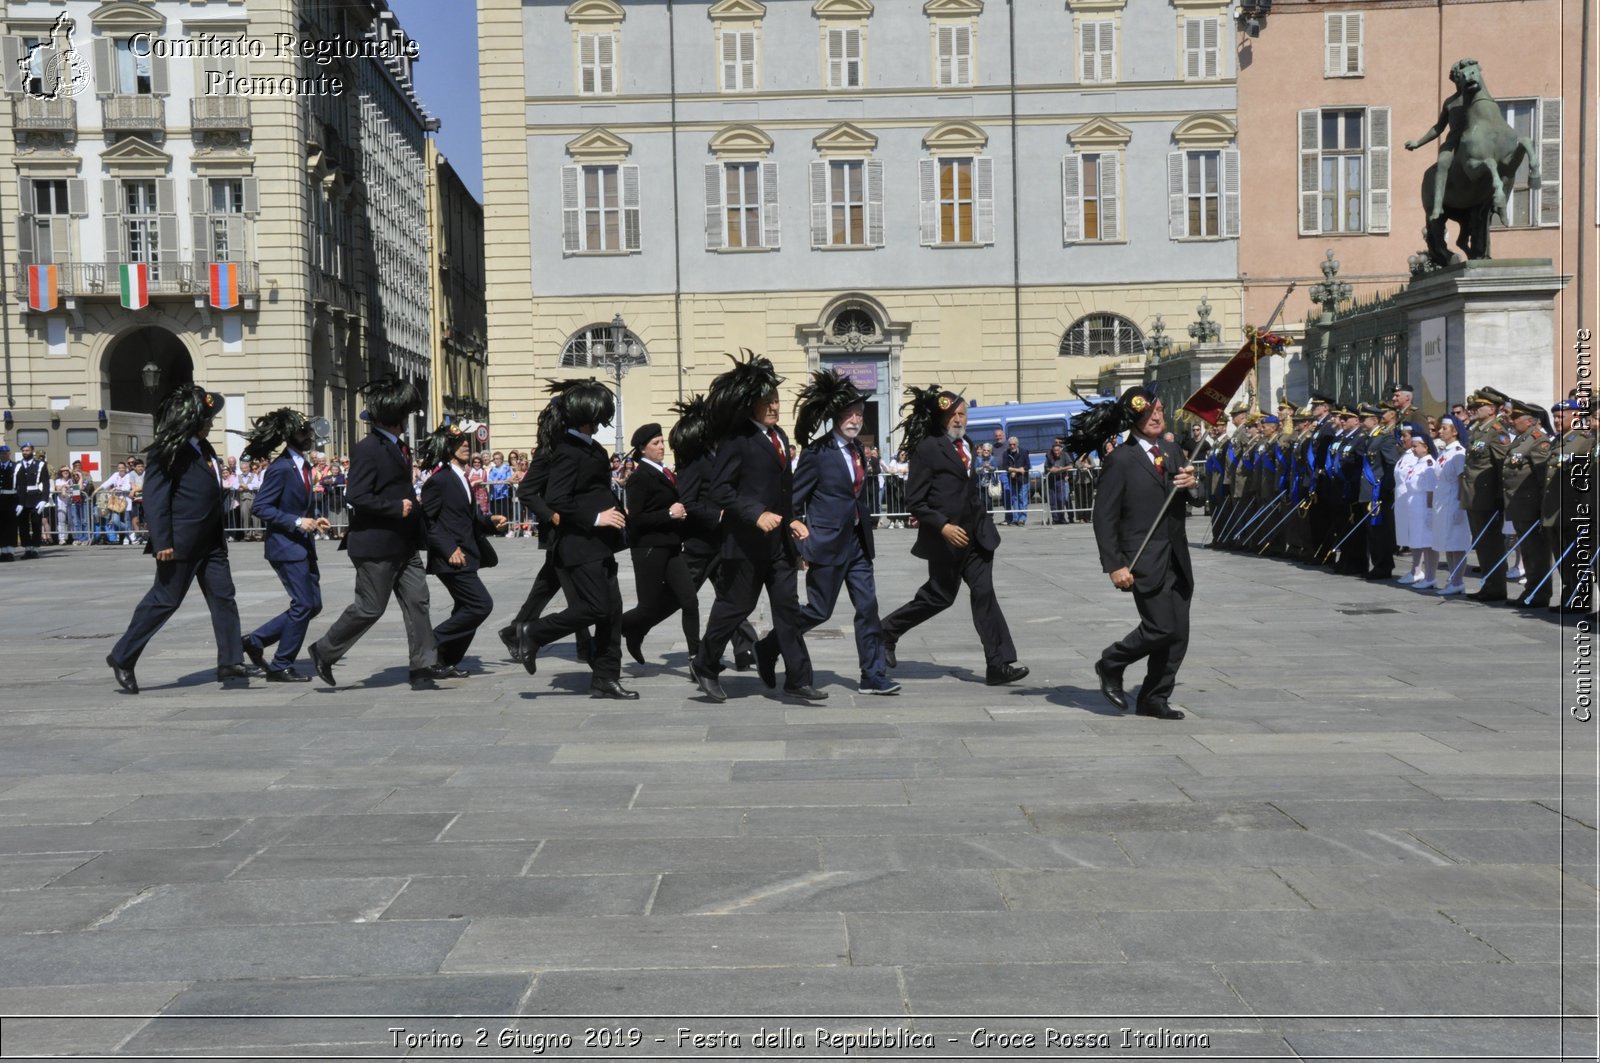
column 447, row 77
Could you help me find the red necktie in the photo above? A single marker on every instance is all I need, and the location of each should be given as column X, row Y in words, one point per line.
column 671, row 479
column 777, row 444
column 305, row 474
column 1160, row 460
column 961, row 448
column 861, row 472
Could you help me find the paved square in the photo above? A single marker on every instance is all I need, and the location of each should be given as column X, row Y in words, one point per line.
column 1379, row 815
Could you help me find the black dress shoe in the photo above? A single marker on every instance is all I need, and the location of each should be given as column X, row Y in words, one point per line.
column 888, row 654
column 743, row 662
column 424, row 678
column 287, row 675
column 450, row 671
column 528, row 649
column 767, row 661
column 1111, row 686
column 1484, row 596
column 1000, row 675
column 1163, row 711
column 229, row 672
column 610, row 688
column 324, row 668
column 124, row 676
column 508, row 638
column 635, row 644
column 805, row 693
column 257, row 655
column 709, row 685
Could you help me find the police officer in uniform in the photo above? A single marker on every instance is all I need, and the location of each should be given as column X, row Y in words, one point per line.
column 1324, row 514
column 9, row 505
column 1377, row 488
column 33, row 494
column 1486, row 442
column 1569, row 501
column 1522, row 486
column 1351, row 449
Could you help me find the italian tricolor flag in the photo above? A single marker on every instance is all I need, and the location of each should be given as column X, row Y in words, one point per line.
column 42, row 288
column 135, row 285
column 224, row 285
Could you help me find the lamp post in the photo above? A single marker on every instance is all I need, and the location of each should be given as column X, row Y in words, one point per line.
column 150, row 376
column 620, row 355
column 1157, row 343
column 1204, row 330
column 1331, row 291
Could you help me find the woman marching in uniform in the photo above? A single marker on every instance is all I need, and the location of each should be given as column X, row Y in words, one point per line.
column 657, row 520
column 458, row 542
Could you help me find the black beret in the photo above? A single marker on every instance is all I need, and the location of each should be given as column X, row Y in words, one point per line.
column 644, row 434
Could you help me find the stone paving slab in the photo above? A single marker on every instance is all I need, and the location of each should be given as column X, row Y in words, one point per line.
column 1341, row 829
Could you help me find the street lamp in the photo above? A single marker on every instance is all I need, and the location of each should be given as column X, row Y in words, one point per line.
column 150, row 376
column 1157, row 343
column 1332, row 291
column 1205, row 330
column 621, row 354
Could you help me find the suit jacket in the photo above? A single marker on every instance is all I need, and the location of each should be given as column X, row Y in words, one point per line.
column 704, row 531
column 941, row 491
column 824, row 492
column 751, row 478
column 281, row 500
column 580, row 490
column 530, row 492
column 380, row 481
column 183, row 505
column 650, row 495
column 1126, row 502
column 452, row 519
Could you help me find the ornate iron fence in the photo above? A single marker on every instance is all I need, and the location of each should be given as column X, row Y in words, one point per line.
column 1360, row 351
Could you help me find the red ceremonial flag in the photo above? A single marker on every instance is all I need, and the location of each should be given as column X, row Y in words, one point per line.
column 135, row 283
column 1212, row 398
column 224, row 285
column 42, row 288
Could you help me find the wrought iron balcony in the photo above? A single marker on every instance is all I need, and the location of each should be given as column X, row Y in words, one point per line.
column 169, row 278
column 36, row 115
column 220, row 112
column 130, row 113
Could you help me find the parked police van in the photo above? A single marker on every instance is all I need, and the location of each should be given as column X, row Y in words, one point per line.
column 1037, row 425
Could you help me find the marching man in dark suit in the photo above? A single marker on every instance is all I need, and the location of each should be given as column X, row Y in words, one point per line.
column 955, row 534
column 754, row 487
column 283, row 505
column 458, row 542
column 587, row 540
column 1134, row 481
column 382, row 541
column 832, row 494
column 657, row 521
column 183, row 512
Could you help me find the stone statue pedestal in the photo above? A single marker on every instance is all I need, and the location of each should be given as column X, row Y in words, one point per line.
column 1485, row 322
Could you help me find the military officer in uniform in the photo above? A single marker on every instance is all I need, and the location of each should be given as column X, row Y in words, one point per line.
column 1381, row 453
column 33, row 494
column 1522, row 487
column 1486, row 442
column 9, row 505
column 1326, row 507
column 1349, row 453
column 1569, row 504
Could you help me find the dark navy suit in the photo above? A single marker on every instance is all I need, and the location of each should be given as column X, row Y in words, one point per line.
column 839, row 550
column 281, row 502
column 454, row 522
column 183, row 513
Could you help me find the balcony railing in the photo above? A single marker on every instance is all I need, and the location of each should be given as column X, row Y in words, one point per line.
column 93, row 279
column 32, row 113
column 220, row 112
column 133, row 112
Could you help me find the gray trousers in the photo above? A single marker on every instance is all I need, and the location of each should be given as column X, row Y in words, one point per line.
column 407, row 580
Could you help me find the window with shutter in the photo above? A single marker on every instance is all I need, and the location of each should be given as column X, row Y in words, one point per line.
column 953, row 66
column 632, row 219
column 844, row 57
column 1549, row 149
column 1202, row 49
column 1343, row 54
column 597, row 64
column 1071, row 201
column 1198, row 194
column 1097, row 47
column 738, row 58
column 1377, row 169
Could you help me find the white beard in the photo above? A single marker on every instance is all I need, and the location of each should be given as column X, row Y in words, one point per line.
column 850, row 431
column 955, row 434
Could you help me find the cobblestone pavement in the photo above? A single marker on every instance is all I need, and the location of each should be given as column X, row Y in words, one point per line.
column 1374, row 835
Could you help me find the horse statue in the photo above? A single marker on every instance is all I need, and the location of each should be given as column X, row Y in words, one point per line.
column 1477, row 166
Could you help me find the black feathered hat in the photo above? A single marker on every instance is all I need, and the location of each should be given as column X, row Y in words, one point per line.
column 549, row 426
column 925, row 413
column 823, row 399
column 691, row 436
column 583, row 400
column 437, row 447
column 179, row 417
column 732, row 394
column 390, row 400
column 1090, row 428
column 271, row 431
column 1136, row 403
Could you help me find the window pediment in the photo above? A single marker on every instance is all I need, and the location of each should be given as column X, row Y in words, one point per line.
column 737, row 11
column 125, row 17
column 596, row 12
column 953, row 8
column 599, row 146
column 741, row 141
column 1099, row 132
column 845, row 140
column 135, row 156
column 955, row 138
column 1096, row 7
column 1205, row 131
column 842, row 9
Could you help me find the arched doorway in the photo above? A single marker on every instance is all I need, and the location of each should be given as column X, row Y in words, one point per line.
column 123, row 374
column 854, row 335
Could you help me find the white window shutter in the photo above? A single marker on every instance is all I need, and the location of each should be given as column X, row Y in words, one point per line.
column 199, row 196
column 1110, row 200
column 835, row 46
column 928, row 188
column 1177, row 208
column 983, row 193
column 715, row 218
column 630, row 208
column 1333, row 36
column 77, row 197
column 159, row 85
column 1088, row 38
column 872, row 174
column 771, row 219
column 166, row 196
column 852, row 52
column 104, row 53
column 1211, row 48
column 252, row 195
column 1310, row 172
column 571, row 209
column 586, row 64
column 25, row 238
column 1378, row 170
column 1355, row 54
column 820, row 219
column 1549, row 149
column 11, row 64
column 1071, row 201
column 606, row 55
column 963, row 55
column 1230, row 192
column 61, row 234
column 200, row 235
column 1108, row 51
column 729, row 47
column 1192, row 49
column 944, row 74
column 749, row 61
